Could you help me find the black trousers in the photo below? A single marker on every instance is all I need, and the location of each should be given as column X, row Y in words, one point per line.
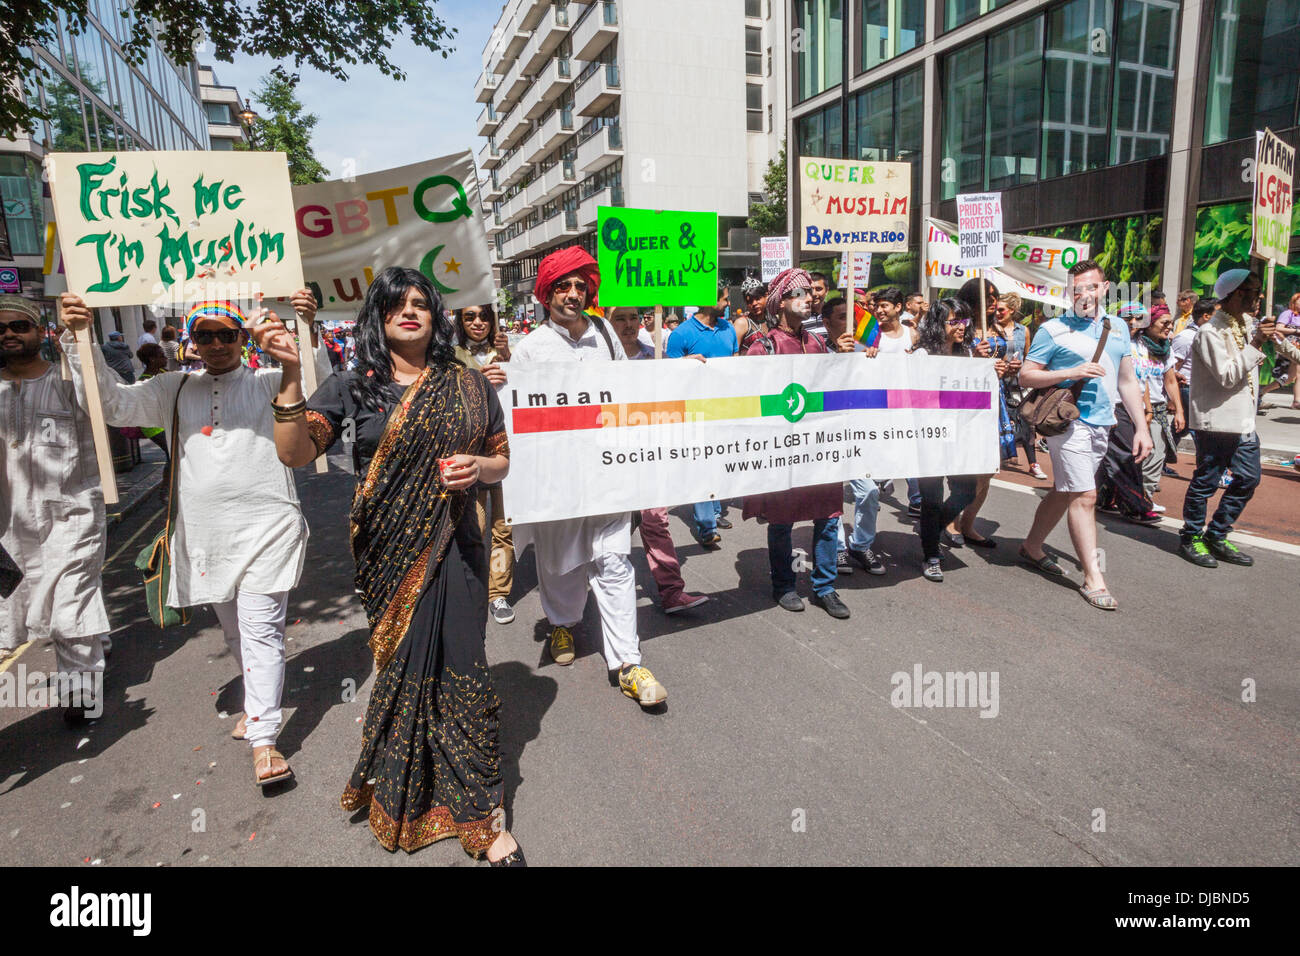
column 936, row 512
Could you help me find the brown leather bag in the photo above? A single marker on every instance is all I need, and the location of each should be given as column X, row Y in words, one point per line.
column 1052, row 410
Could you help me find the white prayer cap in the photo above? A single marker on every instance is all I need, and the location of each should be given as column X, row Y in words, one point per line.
column 1229, row 282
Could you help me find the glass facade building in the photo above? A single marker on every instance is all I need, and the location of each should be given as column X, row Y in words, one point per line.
column 1073, row 109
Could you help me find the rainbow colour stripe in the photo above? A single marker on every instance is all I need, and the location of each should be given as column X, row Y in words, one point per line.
column 866, row 329
column 792, row 404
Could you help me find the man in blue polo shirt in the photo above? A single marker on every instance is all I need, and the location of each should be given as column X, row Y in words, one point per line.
column 1061, row 354
column 708, row 334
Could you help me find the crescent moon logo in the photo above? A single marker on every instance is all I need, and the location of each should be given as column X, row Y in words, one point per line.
column 795, row 398
column 426, row 266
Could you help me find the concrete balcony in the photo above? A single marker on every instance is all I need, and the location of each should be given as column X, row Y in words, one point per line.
column 593, row 31
column 513, row 86
column 212, row 93
column 491, row 191
column 535, row 190
column 531, row 12
column 488, row 120
column 513, row 171
column 600, row 150
column 557, row 128
column 534, row 149
column 550, row 83
column 514, row 128
column 597, row 91
column 489, row 157
column 514, row 248
column 516, row 207
column 492, row 224
column 543, row 233
column 547, row 35
column 557, row 179
column 486, row 86
column 569, row 225
column 587, row 208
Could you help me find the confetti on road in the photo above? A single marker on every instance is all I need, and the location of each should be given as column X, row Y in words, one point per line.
column 309, row 669
column 62, row 806
column 86, row 860
column 96, row 861
column 211, row 765
column 251, row 836
column 176, row 796
column 157, row 805
column 198, row 748
column 77, row 779
column 223, row 715
column 82, row 742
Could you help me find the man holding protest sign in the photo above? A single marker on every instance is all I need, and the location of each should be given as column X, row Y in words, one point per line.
column 54, row 525
column 788, row 304
column 592, row 552
column 243, row 566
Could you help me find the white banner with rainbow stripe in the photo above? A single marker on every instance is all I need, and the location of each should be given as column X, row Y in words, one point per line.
column 602, row 438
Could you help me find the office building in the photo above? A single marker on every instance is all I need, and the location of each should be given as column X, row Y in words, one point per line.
column 1125, row 123
column 660, row 104
column 222, row 107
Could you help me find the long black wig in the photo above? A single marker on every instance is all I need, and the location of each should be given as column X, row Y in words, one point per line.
column 374, row 362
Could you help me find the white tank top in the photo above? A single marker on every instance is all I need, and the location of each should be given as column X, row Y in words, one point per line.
column 891, row 344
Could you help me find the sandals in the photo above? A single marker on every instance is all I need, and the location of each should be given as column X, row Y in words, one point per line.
column 1046, row 564
column 266, row 757
column 1100, row 598
column 235, row 732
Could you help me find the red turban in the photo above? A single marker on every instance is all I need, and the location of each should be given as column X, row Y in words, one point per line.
column 562, row 263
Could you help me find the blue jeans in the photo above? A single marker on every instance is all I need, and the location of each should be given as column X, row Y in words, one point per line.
column 866, row 505
column 780, row 555
column 706, row 518
column 913, row 493
column 1185, row 392
column 1216, row 451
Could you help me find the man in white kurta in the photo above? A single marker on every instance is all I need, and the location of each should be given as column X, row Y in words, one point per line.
column 51, row 513
column 594, row 551
column 239, row 537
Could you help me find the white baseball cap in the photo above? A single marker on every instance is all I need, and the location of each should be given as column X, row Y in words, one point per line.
column 1229, row 282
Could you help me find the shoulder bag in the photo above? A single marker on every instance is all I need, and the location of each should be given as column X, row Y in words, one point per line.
column 1052, row 410
column 155, row 561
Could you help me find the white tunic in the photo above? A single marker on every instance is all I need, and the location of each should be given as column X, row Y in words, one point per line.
column 51, row 512
column 238, row 524
column 568, row 544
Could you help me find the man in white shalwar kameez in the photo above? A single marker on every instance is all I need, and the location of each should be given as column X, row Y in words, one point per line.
column 595, row 551
column 239, row 537
column 51, row 513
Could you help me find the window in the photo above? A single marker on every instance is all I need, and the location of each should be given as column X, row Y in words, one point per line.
column 769, row 117
column 1144, row 79
column 964, row 11
column 754, row 51
column 819, row 45
column 885, row 120
column 962, row 169
column 1251, row 86
column 820, row 133
column 754, row 8
column 1015, row 99
column 754, row 107
column 890, row 27
column 1077, row 92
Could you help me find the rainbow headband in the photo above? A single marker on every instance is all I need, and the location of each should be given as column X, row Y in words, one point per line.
column 213, row 310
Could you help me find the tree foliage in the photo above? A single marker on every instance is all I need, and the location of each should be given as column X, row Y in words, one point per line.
column 331, row 37
column 286, row 130
column 768, row 218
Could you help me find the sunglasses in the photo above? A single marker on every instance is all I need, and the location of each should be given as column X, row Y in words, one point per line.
column 577, row 285
column 17, row 326
column 471, row 316
column 955, row 322
column 224, row 336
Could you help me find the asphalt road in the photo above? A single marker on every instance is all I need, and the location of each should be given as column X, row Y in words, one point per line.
column 779, row 743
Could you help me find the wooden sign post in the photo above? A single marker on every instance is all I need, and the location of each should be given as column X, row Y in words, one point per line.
column 307, row 362
column 659, row 331
column 98, row 427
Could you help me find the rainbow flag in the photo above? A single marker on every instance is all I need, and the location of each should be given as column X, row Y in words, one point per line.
column 865, row 329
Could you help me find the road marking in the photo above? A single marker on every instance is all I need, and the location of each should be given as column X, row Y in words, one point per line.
column 17, row 653
column 131, row 540
column 1173, row 524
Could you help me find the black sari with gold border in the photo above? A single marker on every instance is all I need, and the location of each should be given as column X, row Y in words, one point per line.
column 429, row 766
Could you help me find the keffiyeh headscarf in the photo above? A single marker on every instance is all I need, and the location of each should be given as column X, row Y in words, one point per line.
column 752, row 288
column 791, row 280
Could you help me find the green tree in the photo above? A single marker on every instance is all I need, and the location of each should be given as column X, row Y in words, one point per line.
column 768, row 218
column 287, row 130
column 331, row 37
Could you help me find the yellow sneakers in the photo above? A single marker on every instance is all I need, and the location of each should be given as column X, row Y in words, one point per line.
column 561, row 645
column 639, row 684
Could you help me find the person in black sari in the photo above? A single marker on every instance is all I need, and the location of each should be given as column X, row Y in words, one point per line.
column 424, row 429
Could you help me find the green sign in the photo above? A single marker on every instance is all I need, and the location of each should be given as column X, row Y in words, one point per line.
column 656, row 258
